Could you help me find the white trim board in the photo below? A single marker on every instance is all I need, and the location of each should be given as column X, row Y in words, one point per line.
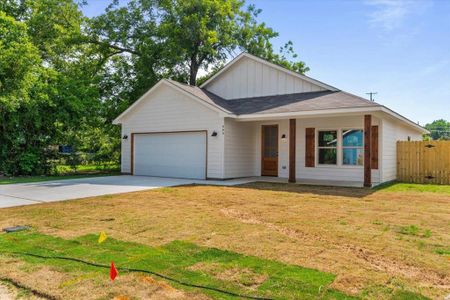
column 328, row 112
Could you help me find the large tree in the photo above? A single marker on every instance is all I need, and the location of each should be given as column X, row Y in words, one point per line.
column 19, row 61
column 47, row 82
column 440, row 129
column 177, row 38
column 19, row 72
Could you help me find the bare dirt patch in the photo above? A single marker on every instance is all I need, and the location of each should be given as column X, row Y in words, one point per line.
column 6, row 292
column 377, row 262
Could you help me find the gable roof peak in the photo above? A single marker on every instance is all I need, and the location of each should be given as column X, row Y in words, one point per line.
column 268, row 63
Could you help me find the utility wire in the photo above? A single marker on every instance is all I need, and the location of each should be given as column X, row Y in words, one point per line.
column 140, row 271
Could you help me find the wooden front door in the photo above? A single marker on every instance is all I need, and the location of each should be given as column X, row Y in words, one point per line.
column 269, row 150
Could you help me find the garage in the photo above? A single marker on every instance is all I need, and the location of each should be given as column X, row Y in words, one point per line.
column 173, row 154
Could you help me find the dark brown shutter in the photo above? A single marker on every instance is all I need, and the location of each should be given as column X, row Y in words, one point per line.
column 374, row 150
column 310, row 151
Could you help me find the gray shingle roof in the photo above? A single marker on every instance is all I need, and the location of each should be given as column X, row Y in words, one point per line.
column 297, row 102
column 280, row 103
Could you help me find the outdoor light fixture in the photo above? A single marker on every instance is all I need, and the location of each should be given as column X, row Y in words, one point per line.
column 125, row 137
column 283, row 137
column 214, row 133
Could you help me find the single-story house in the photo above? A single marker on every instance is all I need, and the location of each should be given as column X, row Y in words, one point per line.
column 255, row 118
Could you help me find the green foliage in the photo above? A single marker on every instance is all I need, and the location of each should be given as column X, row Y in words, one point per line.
column 64, row 77
column 440, row 129
column 180, row 260
column 27, row 161
column 67, row 172
column 175, row 38
column 47, row 83
column 18, row 63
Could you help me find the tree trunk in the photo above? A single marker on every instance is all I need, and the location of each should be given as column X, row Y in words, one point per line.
column 193, row 73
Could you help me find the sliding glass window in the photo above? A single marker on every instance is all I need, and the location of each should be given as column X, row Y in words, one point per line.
column 352, row 147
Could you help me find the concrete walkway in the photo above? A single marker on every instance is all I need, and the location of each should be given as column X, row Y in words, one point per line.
column 49, row 191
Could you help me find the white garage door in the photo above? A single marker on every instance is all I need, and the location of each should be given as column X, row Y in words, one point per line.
column 179, row 155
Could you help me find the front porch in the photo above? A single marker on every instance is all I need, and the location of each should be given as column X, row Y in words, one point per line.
column 318, row 182
column 322, row 150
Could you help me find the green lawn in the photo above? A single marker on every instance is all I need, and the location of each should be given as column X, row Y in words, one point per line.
column 66, row 172
column 413, row 187
column 180, row 260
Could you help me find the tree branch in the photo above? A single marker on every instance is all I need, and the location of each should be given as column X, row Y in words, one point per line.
column 121, row 49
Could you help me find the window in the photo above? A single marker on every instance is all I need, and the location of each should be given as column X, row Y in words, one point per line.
column 352, row 147
column 327, row 147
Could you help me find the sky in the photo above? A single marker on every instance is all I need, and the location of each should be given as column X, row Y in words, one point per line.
column 397, row 48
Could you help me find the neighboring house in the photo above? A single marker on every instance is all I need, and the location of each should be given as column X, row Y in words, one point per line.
column 255, row 118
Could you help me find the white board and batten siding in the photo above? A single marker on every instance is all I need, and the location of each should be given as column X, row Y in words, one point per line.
column 169, row 110
column 393, row 132
column 251, row 78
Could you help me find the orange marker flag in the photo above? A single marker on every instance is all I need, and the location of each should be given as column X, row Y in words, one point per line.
column 113, row 272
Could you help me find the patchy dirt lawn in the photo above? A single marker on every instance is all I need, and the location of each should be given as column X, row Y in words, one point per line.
column 376, row 242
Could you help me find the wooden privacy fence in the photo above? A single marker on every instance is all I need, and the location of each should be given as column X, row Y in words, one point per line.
column 423, row 162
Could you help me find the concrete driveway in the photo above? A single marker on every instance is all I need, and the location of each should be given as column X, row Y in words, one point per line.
column 49, row 191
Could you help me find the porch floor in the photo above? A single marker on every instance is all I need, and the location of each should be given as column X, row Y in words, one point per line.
column 339, row 183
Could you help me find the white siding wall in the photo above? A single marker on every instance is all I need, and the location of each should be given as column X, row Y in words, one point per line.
column 243, row 148
column 393, row 132
column 338, row 172
column 169, row 110
column 249, row 78
column 240, row 149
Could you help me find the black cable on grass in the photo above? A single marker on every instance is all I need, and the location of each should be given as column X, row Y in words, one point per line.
column 132, row 270
column 31, row 290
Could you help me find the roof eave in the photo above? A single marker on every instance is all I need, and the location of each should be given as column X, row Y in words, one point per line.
column 404, row 119
column 213, row 106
